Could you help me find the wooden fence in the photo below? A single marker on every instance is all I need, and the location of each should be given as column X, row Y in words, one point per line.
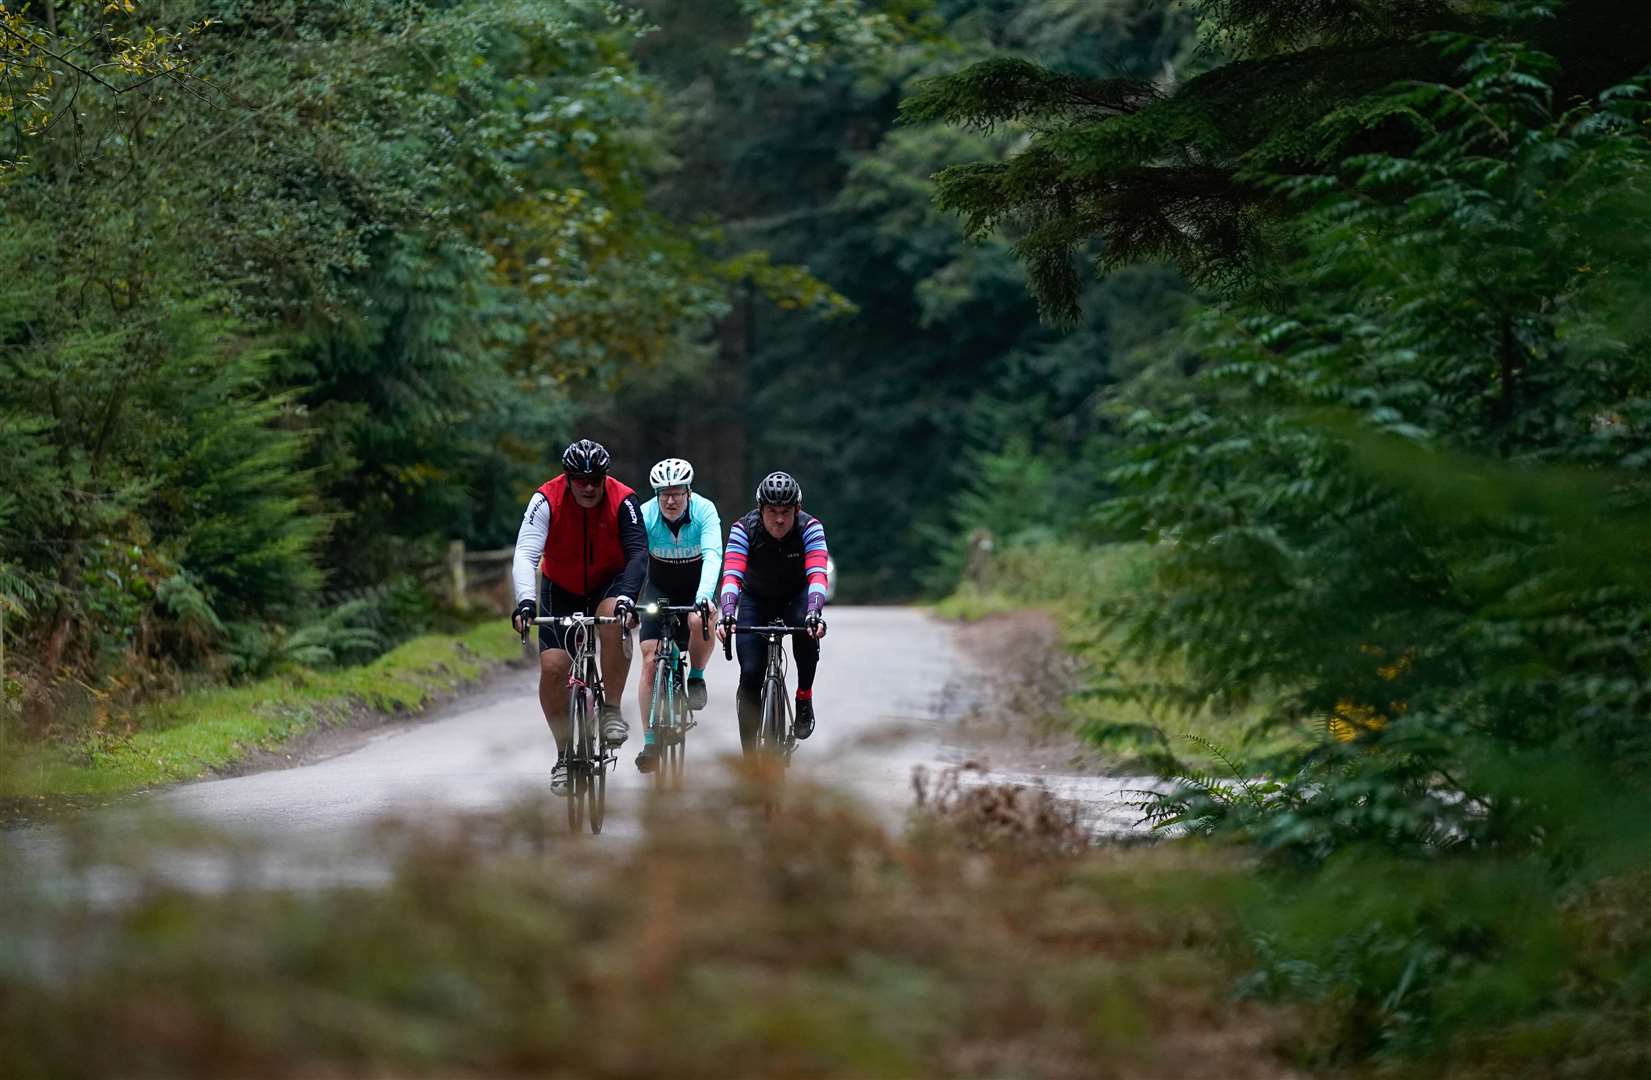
column 466, row 570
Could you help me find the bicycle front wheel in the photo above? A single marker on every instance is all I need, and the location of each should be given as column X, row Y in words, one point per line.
column 659, row 723
column 678, row 748
column 596, row 796
column 580, row 722
column 771, row 729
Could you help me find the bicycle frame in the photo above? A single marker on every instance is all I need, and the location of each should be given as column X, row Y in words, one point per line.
column 774, row 727
column 588, row 755
column 668, row 717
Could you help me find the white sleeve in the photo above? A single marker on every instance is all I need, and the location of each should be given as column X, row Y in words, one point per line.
column 530, row 544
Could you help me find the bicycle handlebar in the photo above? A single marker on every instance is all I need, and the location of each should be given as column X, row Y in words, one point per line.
column 771, row 629
column 683, row 609
column 580, row 620
column 574, row 620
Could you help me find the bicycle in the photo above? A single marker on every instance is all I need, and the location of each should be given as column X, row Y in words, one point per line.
column 588, row 752
column 775, row 740
column 668, row 715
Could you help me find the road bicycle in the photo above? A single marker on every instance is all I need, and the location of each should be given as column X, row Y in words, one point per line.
column 669, row 718
column 588, row 752
column 775, row 739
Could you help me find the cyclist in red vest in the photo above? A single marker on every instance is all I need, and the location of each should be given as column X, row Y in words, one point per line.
column 582, row 549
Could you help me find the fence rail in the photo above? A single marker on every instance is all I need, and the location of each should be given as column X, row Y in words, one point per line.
column 466, row 570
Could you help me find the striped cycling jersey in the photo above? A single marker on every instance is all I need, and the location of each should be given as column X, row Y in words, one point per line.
column 775, row 570
column 683, row 555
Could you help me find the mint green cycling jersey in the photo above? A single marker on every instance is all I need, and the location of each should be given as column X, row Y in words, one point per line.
column 684, row 555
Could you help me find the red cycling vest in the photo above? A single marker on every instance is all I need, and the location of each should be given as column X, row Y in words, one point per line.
column 582, row 551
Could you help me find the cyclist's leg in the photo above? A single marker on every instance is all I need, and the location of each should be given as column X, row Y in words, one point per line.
column 554, row 665
column 616, row 666
column 554, row 661
column 697, row 648
column 806, row 652
column 753, row 657
column 649, row 637
column 699, row 645
column 804, row 649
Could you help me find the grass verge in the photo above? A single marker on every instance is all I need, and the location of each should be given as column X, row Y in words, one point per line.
column 193, row 734
column 1109, row 688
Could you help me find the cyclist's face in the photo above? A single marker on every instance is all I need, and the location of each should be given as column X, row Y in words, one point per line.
column 587, row 490
column 778, row 520
column 673, row 501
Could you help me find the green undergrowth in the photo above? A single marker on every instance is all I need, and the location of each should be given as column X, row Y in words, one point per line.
column 1073, row 584
column 192, row 734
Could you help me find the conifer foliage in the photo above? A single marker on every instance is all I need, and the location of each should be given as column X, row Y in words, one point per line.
column 295, row 295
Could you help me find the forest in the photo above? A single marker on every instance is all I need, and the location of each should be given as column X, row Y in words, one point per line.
column 1295, row 352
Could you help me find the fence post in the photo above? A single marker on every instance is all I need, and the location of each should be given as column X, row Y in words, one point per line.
column 455, row 574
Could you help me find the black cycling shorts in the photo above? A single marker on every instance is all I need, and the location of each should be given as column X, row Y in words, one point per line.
column 652, row 626
column 555, row 601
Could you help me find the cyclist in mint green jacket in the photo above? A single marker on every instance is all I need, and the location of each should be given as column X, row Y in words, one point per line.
column 684, row 556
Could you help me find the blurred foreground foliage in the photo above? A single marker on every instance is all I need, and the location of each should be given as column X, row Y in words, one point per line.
column 1391, row 484
column 719, row 944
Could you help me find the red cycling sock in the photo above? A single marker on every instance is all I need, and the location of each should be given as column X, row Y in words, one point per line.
column 805, row 695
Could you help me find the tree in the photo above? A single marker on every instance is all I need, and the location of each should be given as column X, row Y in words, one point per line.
column 1125, row 169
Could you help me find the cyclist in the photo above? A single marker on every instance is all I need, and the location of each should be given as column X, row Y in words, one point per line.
column 775, row 568
column 684, row 552
column 581, row 549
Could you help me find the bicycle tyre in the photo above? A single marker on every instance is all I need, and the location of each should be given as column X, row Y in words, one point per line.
column 658, row 710
column 596, row 793
column 771, row 728
column 678, row 750
column 578, row 756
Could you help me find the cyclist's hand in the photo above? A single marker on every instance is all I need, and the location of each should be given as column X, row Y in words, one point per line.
column 815, row 625
column 725, row 628
column 527, row 609
column 704, row 617
column 625, row 608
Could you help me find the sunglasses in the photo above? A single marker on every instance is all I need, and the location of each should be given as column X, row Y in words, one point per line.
column 585, row 479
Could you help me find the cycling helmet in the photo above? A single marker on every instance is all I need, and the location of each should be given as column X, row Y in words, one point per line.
column 672, row 472
column 778, row 489
column 585, row 458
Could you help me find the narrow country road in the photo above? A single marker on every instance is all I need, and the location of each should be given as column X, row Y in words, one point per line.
column 884, row 672
column 890, row 680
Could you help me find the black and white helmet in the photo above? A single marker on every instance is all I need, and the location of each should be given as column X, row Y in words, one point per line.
column 585, row 458
column 672, row 472
column 779, row 489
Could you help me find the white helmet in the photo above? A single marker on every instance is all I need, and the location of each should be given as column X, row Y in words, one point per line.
column 672, row 472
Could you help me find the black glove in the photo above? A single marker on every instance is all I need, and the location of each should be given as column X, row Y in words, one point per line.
column 624, row 608
column 527, row 609
column 815, row 625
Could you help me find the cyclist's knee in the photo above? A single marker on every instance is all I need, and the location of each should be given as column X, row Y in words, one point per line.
column 555, row 663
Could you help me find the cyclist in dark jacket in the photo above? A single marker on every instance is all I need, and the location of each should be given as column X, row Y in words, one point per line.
column 774, row 566
column 581, row 550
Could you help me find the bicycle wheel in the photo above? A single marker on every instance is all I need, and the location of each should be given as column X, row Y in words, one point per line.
column 658, row 720
column 579, row 724
column 596, row 794
column 678, row 748
column 771, row 728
